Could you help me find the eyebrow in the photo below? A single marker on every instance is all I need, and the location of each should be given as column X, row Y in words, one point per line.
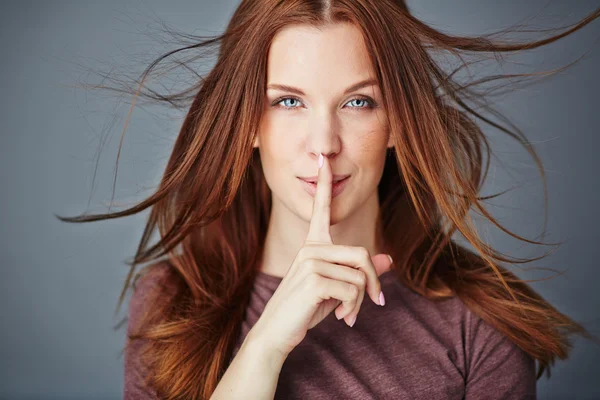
column 356, row 86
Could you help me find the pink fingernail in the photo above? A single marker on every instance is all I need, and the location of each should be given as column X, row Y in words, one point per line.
column 381, row 299
column 353, row 321
column 320, row 160
column 336, row 315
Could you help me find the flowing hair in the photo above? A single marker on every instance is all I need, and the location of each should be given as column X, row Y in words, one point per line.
column 212, row 204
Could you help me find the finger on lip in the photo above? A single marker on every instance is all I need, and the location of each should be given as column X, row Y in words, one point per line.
column 319, row 226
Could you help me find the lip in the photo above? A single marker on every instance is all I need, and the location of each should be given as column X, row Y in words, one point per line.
column 336, row 189
column 315, row 178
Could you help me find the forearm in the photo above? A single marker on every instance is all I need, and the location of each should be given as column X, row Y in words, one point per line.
column 252, row 374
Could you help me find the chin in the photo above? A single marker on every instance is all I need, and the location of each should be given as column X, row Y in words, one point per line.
column 339, row 211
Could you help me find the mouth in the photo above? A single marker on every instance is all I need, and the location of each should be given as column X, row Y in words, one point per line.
column 336, row 189
column 314, row 180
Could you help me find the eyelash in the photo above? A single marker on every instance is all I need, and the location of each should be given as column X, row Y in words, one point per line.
column 371, row 103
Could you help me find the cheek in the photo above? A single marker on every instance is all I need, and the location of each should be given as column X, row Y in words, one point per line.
column 369, row 154
column 368, row 133
column 370, row 146
column 279, row 147
column 277, row 140
column 277, row 157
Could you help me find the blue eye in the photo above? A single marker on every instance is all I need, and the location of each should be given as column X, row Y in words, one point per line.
column 286, row 99
column 370, row 103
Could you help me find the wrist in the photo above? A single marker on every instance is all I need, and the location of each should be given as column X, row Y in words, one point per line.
column 262, row 349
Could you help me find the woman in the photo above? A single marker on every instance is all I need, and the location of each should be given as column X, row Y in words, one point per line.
column 257, row 257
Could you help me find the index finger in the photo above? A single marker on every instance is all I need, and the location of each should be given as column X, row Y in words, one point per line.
column 321, row 215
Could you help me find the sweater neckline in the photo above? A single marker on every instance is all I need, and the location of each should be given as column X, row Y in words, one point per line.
column 268, row 280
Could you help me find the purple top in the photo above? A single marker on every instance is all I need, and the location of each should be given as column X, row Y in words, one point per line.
column 411, row 348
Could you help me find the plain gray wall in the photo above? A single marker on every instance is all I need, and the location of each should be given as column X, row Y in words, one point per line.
column 61, row 281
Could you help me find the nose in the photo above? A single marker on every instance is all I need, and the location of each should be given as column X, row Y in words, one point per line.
column 324, row 138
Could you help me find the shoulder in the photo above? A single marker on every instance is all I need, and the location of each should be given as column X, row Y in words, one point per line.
column 149, row 285
column 159, row 274
column 474, row 343
column 495, row 366
column 486, row 345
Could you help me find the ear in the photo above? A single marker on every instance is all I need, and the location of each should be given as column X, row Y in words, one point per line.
column 255, row 142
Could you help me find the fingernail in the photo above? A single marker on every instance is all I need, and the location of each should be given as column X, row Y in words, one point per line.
column 336, row 315
column 353, row 321
column 320, row 160
column 391, row 260
column 381, row 299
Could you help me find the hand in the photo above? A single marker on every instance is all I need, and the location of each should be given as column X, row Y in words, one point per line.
column 322, row 277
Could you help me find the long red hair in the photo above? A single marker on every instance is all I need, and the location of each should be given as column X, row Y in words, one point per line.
column 212, row 204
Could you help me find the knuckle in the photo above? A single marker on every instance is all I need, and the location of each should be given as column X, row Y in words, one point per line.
column 310, row 264
column 364, row 253
column 361, row 277
column 304, row 252
column 314, row 280
column 353, row 290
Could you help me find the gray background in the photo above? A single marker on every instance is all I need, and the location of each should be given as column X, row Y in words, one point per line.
column 60, row 282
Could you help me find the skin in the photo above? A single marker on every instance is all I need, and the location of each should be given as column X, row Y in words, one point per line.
column 350, row 129
column 316, row 283
column 290, row 145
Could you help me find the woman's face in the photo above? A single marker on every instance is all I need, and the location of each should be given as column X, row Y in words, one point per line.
column 321, row 117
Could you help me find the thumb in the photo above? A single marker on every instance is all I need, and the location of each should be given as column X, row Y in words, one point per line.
column 382, row 263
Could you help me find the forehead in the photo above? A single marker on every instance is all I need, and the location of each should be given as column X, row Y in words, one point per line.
column 324, row 58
